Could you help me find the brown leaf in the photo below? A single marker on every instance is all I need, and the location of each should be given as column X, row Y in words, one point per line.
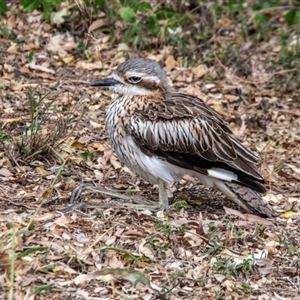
column 200, row 228
column 5, row 172
column 99, row 147
column 234, row 212
column 98, row 23
column 171, row 63
column 199, row 71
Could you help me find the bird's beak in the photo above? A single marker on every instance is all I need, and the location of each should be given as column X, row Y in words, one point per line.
column 104, row 82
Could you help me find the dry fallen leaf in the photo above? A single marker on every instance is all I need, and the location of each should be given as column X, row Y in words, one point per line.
column 199, row 71
column 171, row 63
column 115, row 163
column 288, row 214
column 45, row 73
column 59, row 17
column 5, row 172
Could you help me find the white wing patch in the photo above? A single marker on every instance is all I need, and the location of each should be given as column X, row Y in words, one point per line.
column 222, row 174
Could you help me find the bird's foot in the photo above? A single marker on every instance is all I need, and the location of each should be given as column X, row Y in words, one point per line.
column 138, row 203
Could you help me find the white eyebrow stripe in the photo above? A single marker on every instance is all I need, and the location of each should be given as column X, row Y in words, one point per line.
column 143, row 75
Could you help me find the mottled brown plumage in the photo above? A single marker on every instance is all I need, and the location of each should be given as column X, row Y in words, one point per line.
column 163, row 136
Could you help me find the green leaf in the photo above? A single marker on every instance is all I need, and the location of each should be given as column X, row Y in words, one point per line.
column 70, row 180
column 152, row 25
column 40, row 289
column 293, row 17
column 182, row 204
column 47, row 10
column 87, row 156
column 7, row 34
column 129, row 256
column 261, row 20
column 165, row 13
column 127, row 14
column 134, row 276
column 258, row 5
column 3, row 7
column 131, row 31
column 30, row 5
column 236, row 6
column 143, row 7
column 5, row 137
column 32, row 250
column 130, row 3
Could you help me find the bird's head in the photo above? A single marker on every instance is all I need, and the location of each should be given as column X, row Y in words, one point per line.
column 137, row 76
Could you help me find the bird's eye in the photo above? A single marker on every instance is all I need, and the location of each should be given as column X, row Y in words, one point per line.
column 134, row 79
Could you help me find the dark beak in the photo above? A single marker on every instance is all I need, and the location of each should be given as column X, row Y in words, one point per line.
column 104, row 82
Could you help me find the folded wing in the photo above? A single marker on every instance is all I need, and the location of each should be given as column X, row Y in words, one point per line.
column 189, row 134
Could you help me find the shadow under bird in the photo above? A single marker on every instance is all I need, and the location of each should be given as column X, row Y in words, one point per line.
column 163, row 136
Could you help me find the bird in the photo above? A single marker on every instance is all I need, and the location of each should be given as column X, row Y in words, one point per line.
column 163, row 135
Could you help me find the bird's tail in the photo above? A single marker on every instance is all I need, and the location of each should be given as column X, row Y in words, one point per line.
column 251, row 199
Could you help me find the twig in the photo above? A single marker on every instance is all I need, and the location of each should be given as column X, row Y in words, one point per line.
column 291, row 112
column 266, row 10
column 98, row 239
column 290, row 281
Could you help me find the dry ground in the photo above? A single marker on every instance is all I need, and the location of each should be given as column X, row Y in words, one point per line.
column 203, row 247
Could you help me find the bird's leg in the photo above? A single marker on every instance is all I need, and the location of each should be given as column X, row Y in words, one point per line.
column 163, row 195
column 86, row 187
column 143, row 203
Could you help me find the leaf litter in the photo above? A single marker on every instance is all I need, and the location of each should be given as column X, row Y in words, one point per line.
column 209, row 249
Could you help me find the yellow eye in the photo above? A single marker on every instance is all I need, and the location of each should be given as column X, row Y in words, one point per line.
column 134, row 79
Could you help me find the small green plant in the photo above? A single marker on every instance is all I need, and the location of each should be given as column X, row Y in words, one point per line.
column 164, row 227
column 46, row 5
column 247, row 266
column 3, row 7
column 260, row 229
column 213, row 238
column 8, row 242
column 177, row 274
column 247, row 288
column 38, row 138
column 87, row 156
column 145, row 23
column 5, row 137
column 227, row 265
column 39, row 290
column 168, row 228
column 30, row 5
column 221, row 264
column 234, row 229
column 30, row 56
column 218, row 293
column 181, row 204
column 98, row 214
column 7, row 33
column 183, row 228
column 212, row 229
column 158, row 244
column 288, row 245
column 236, row 6
column 74, row 260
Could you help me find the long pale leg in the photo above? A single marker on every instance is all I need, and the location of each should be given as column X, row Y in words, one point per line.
column 142, row 203
column 163, row 195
